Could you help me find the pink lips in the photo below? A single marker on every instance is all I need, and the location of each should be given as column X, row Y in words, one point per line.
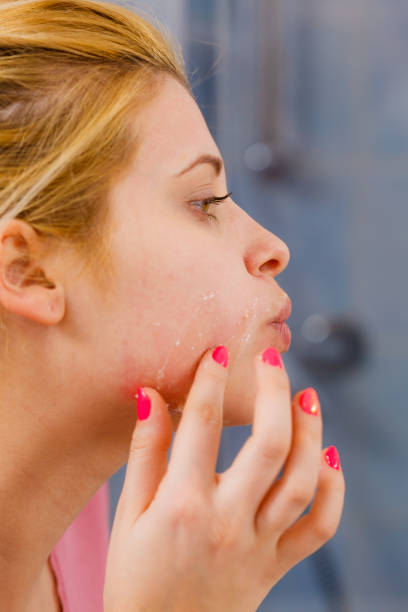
column 284, row 313
column 279, row 325
column 283, row 330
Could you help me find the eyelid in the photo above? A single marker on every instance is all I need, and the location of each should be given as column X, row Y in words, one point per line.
column 218, row 199
column 211, row 200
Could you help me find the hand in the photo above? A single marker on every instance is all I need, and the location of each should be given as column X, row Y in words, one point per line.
column 186, row 539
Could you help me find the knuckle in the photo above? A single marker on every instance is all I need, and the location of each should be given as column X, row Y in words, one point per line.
column 309, row 437
column 210, row 412
column 222, row 537
column 226, row 535
column 325, row 530
column 143, row 447
column 281, row 383
column 273, row 452
column 139, row 445
column 217, row 376
column 300, row 495
column 185, row 510
column 214, row 380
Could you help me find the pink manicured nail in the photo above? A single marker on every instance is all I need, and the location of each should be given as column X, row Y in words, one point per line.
column 332, row 457
column 308, row 401
column 272, row 357
column 143, row 404
column 220, row 355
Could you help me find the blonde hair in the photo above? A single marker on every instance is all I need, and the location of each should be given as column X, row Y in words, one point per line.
column 73, row 74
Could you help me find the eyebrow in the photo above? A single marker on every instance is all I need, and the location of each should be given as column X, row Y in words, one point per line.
column 216, row 162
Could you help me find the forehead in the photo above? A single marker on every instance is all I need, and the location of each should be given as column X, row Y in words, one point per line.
column 172, row 131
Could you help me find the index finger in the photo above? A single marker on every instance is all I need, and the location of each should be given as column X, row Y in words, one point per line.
column 195, row 447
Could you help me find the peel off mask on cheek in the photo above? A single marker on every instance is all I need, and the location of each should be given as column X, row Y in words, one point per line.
column 243, row 329
column 187, row 334
column 193, row 337
column 179, row 348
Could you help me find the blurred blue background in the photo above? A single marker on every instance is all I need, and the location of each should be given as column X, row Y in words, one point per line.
column 308, row 103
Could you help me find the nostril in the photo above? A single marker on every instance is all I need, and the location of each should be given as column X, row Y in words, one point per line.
column 270, row 266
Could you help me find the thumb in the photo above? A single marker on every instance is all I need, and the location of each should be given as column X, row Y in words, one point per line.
column 148, row 455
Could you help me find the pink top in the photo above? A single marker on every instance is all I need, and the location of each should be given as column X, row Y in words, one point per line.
column 79, row 557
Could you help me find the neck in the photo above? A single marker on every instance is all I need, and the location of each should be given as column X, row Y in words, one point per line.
column 55, row 452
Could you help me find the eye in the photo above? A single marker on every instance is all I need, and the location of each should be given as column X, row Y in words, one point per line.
column 207, row 202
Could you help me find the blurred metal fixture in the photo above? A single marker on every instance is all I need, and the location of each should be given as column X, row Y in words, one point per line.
column 274, row 154
column 330, row 345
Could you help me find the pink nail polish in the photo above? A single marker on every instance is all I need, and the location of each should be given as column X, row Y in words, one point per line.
column 143, row 404
column 308, row 401
column 220, row 355
column 272, row 357
column 332, row 457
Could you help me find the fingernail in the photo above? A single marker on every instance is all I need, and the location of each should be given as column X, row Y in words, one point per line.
column 143, row 404
column 272, row 357
column 332, row 457
column 220, row 355
column 308, row 401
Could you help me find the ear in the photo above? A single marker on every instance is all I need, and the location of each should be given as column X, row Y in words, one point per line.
column 25, row 286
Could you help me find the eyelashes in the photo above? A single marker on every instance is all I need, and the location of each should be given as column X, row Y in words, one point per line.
column 208, row 201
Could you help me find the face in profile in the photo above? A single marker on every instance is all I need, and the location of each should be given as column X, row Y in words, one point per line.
column 188, row 276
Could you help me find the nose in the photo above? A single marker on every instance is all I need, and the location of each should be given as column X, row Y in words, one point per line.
column 267, row 254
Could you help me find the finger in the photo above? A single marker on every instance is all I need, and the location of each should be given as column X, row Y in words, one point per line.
column 294, row 491
column 147, row 461
column 196, row 444
column 314, row 529
column 246, row 481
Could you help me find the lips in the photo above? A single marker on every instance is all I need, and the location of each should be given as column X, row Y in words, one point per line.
column 283, row 332
column 278, row 324
column 284, row 313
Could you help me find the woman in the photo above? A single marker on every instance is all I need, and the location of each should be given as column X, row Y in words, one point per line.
column 120, row 278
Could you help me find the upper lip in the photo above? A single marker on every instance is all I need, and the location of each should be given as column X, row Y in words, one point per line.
column 284, row 313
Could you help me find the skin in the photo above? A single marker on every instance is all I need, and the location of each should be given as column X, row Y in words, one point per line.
column 182, row 284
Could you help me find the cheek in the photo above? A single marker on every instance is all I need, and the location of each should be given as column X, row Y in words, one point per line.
column 175, row 327
column 179, row 306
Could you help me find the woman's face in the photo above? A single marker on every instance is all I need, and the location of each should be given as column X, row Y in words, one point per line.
column 184, row 282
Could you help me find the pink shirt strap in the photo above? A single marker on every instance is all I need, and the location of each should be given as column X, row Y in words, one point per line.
column 79, row 557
